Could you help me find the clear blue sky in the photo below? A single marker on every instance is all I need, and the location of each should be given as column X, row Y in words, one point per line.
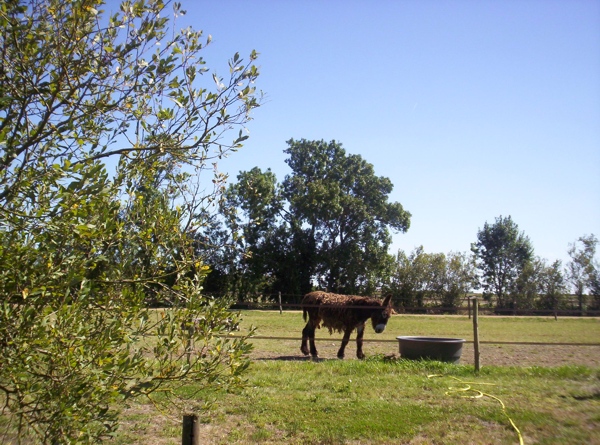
column 473, row 109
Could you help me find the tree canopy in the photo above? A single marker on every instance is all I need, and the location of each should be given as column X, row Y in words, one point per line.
column 343, row 209
column 110, row 122
column 582, row 270
column 327, row 224
column 502, row 253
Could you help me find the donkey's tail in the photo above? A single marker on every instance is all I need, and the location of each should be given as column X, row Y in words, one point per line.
column 304, row 313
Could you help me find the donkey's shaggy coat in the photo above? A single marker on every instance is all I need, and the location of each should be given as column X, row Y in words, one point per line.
column 342, row 313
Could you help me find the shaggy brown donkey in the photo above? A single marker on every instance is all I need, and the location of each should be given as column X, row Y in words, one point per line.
column 342, row 313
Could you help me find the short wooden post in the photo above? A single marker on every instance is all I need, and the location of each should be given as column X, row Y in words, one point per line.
column 190, row 431
column 469, row 306
column 476, row 332
column 280, row 307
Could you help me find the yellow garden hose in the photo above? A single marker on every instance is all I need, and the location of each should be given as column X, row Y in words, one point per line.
column 478, row 394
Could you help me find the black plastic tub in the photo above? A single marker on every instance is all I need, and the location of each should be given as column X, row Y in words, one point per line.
column 431, row 348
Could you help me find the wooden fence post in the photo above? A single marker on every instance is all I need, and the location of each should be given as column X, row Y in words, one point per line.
column 280, row 307
column 190, row 430
column 476, row 332
column 469, row 306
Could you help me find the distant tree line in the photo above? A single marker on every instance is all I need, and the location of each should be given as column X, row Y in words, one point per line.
column 328, row 225
column 517, row 280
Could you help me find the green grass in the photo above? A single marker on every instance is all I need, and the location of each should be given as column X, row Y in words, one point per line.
column 381, row 400
column 491, row 328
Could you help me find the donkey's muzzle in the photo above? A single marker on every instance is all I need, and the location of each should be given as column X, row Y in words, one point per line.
column 379, row 328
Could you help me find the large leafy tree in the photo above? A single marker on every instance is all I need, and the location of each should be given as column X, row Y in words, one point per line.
column 582, row 269
column 525, row 292
column 328, row 224
column 502, row 254
column 108, row 124
column 595, row 289
column 340, row 210
column 460, row 278
column 553, row 287
column 252, row 207
column 409, row 278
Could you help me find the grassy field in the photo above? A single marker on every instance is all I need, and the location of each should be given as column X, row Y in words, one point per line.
column 491, row 328
column 385, row 399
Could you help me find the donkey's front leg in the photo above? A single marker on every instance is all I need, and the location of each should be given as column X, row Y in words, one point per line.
column 306, row 333
column 345, row 341
column 360, row 330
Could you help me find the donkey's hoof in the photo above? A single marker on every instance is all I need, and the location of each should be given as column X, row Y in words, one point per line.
column 304, row 351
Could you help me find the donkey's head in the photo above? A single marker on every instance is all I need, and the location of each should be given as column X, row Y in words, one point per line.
column 380, row 317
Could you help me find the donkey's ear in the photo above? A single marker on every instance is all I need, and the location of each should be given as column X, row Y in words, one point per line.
column 388, row 300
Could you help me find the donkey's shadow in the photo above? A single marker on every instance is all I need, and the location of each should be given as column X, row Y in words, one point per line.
column 293, row 358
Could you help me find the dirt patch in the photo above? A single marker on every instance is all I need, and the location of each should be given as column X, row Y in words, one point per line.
column 145, row 422
column 490, row 354
column 533, row 355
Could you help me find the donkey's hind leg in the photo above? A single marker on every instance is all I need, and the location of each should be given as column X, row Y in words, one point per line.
column 345, row 341
column 307, row 333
